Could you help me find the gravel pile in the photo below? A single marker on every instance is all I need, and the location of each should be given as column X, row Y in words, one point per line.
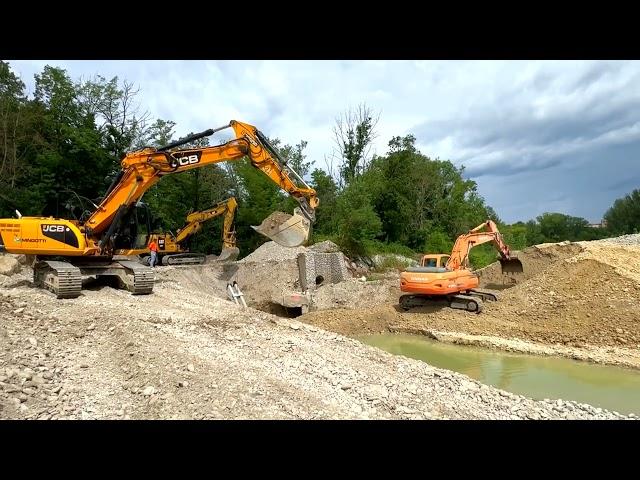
column 633, row 239
column 272, row 252
column 189, row 356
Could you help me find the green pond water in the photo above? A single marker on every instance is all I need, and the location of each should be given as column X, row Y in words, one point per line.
column 613, row 388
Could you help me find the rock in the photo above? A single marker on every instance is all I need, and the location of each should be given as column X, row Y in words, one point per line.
column 22, row 397
column 91, row 327
column 28, row 391
column 18, row 310
column 295, row 326
column 33, row 341
column 84, row 365
column 9, row 265
column 148, row 391
column 618, row 331
column 190, row 367
column 183, row 383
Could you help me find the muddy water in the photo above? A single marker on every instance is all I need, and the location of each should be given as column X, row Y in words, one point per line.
column 613, row 388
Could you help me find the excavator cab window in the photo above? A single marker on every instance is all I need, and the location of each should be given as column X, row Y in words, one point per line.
column 431, row 262
column 143, row 224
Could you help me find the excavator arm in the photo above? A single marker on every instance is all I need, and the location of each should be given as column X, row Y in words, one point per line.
column 483, row 233
column 144, row 168
column 196, row 219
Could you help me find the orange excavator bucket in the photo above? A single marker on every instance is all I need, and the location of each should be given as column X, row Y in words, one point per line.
column 512, row 265
column 284, row 229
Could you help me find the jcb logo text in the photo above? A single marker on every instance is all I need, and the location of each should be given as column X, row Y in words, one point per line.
column 190, row 160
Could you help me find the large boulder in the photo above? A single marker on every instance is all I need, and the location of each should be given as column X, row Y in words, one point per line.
column 9, row 265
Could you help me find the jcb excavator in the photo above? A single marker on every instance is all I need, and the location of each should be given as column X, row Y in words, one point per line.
column 66, row 250
column 173, row 250
column 448, row 278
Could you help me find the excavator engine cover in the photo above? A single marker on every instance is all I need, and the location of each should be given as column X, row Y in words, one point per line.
column 513, row 265
column 284, row 229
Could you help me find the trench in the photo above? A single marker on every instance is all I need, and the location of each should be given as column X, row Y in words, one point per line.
column 609, row 387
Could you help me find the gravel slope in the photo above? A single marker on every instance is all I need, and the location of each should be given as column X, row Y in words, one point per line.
column 184, row 353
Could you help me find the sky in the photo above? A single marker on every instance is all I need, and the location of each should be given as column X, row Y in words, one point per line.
column 537, row 136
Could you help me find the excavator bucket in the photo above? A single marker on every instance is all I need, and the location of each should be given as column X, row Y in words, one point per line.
column 228, row 255
column 284, row 229
column 513, row 265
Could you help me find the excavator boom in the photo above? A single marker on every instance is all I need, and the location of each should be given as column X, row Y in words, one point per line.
column 477, row 236
column 144, row 168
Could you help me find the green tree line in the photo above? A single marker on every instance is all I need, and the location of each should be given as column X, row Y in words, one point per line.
column 60, row 149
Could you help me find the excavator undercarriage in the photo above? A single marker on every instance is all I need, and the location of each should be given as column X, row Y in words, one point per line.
column 64, row 278
column 471, row 301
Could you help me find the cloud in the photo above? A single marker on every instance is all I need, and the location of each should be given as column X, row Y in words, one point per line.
column 525, row 130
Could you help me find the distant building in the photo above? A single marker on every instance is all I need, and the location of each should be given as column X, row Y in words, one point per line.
column 602, row 224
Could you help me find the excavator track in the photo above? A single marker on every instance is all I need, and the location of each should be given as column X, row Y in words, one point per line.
column 458, row 302
column 465, row 302
column 184, row 259
column 140, row 278
column 483, row 295
column 60, row 278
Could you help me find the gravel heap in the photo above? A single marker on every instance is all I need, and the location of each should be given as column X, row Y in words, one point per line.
column 633, row 239
column 272, row 252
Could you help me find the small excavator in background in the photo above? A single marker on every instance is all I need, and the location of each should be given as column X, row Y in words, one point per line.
column 444, row 278
column 173, row 249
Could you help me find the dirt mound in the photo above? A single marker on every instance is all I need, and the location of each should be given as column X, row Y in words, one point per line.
column 535, row 260
column 355, row 293
column 581, row 301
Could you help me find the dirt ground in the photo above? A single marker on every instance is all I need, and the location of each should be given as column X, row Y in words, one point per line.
column 186, row 353
column 582, row 299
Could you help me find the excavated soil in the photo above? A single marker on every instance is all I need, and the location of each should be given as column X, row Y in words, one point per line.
column 581, row 299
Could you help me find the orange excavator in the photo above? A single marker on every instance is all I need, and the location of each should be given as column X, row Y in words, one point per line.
column 68, row 250
column 448, row 279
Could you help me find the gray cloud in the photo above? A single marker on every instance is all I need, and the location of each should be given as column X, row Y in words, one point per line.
column 536, row 135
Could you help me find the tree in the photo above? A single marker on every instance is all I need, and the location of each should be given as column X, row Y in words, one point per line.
column 354, row 133
column 624, row 215
column 356, row 220
column 327, row 191
column 12, row 125
column 118, row 116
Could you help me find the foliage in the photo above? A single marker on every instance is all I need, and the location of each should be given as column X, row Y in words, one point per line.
column 61, row 148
